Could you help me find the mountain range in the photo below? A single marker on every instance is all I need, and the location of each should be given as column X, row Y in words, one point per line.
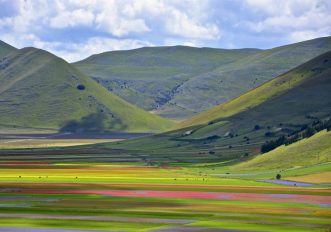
column 178, row 82
column 113, row 91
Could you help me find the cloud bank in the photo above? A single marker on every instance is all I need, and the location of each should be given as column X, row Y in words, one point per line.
column 75, row 29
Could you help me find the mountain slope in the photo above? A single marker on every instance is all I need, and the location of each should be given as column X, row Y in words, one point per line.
column 5, row 49
column 41, row 90
column 236, row 130
column 149, row 77
column 277, row 86
column 309, row 151
column 178, row 82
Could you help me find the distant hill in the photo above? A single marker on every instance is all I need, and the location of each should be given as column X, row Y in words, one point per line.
column 235, row 131
column 40, row 90
column 178, row 82
column 5, row 49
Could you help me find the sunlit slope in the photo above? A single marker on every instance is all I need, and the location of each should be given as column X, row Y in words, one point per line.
column 309, row 151
column 179, row 81
column 319, row 66
column 5, row 49
column 41, row 90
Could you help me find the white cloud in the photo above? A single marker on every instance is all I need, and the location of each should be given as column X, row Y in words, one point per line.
column 76, row 51
column 299, row 19
column 72, row 18
column 23, row 40
column 180, row 24
column 110, row 20
column 175, row 41
column 102, row 25
column 298, row 36
column 187, row 19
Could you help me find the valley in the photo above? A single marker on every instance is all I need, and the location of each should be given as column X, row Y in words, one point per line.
column 76, row 157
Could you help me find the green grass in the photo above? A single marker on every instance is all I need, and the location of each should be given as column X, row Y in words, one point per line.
column 44, row 143
column 306, row 152
column 41, row 92
column 78, row 224
column 259, row 225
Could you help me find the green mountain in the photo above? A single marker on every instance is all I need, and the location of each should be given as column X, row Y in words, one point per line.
column 236, row 130
column 40, row 90
column 5, row 49
column 178, row 82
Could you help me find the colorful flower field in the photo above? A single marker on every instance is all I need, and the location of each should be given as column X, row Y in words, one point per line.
column 44, row 196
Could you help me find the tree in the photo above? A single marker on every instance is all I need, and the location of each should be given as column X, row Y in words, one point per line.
column 80, row 87
column 278, row 176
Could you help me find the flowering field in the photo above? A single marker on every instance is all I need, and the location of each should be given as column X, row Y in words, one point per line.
column 129, row 197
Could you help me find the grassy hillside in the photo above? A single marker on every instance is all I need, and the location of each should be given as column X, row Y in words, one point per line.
column 5, row 49
column 238, row 128
column 178, row 82
column 306, row 152
column 150, row 77
column 265, row 92
column 40, row 90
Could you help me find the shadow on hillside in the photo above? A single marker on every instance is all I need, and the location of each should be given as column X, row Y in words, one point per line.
column 96, row 122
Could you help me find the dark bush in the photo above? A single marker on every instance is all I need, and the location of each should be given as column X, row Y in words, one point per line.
column 268, row 134
column 257, row 127
column 80, row 87
column 211, row 152
column 278, row 176
column 213, row 137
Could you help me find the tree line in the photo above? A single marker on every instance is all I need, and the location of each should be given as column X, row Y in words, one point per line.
column 304, row 132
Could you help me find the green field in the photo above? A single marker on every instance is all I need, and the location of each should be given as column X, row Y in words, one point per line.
column 135, row 197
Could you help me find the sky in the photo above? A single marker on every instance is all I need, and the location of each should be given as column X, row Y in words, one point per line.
column 76, row 29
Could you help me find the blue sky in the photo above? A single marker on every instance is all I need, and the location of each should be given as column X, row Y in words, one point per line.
column 75, row 29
